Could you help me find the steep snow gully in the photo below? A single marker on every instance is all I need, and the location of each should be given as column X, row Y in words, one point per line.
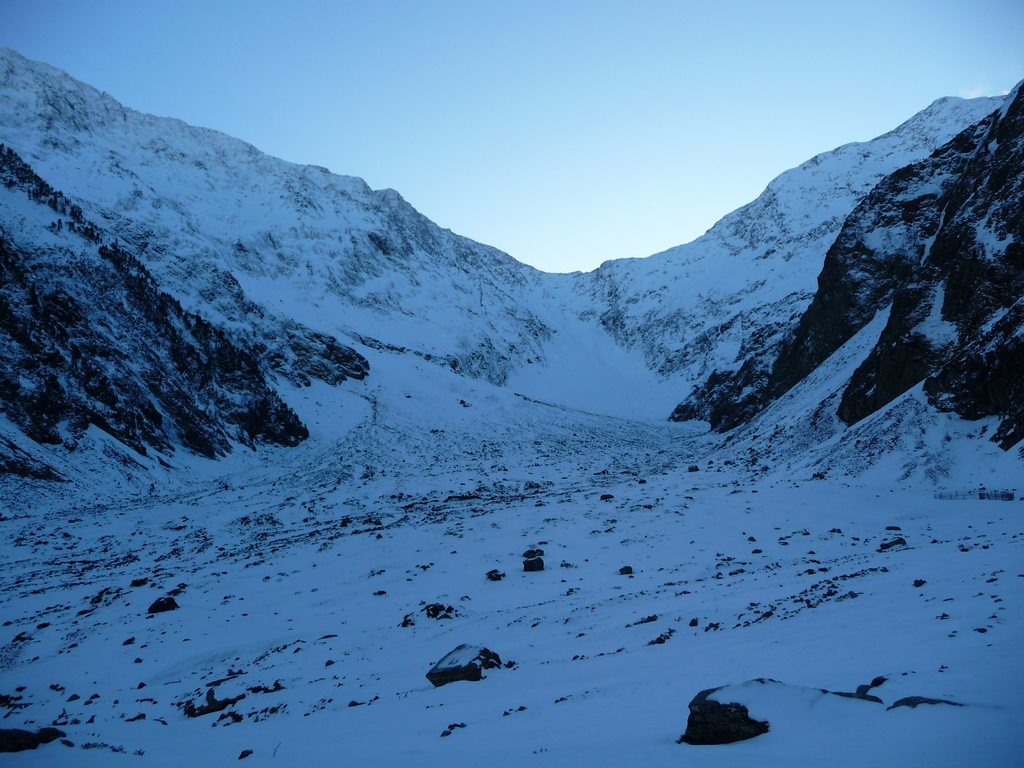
column 273, row 445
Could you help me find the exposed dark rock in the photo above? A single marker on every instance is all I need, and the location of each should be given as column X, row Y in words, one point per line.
column 938, row 244
column 626, row 570
column 970, row 278
column 18, row 740
column 899, row 541
column 919, row 582
column 162, row 604
column 606, row 497
column 495, row 575
column 466, row 662
column 727, row 399
column 663, row 637
column 265, row 688
column 711, row 722
column 857, row 281
column 913, row 701
column 245, row 753
column 439, row 611
column 530, row 553
column 533, row 564
column 14, row 461
column 861, row 693
column 88, row 338
column 213, row 704
column 451, row 727
column 301, row 354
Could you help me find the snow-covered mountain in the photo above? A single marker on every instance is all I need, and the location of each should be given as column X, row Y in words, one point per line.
column 721, row 302
column 254, row 244
column 272, row 444
column 935, row 248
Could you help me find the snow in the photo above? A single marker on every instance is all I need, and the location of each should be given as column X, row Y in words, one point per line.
column 940, row 332
column 288, row 583
column 300, row 565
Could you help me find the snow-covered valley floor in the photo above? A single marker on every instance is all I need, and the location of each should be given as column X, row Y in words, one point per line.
column 295, row 571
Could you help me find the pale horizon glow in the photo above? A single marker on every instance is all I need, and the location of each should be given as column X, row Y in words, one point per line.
column 565, row 134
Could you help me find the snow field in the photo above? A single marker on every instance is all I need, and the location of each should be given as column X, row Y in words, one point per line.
column 266, row 604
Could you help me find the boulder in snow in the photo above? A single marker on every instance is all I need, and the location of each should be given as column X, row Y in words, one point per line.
column 18, row 740
column 466, row 662
column 712, row 722
column 899, row 541
column 162, row 604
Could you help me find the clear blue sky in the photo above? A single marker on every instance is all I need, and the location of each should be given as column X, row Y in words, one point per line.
column 565, row 133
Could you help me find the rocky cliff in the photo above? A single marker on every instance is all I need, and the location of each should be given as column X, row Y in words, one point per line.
column 937, row 243
column 87, row 338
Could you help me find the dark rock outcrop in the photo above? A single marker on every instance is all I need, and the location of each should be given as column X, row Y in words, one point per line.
column 466, row 662
column 914, row 701
column 88, row 338
column 162, row 604
column 213, row 704
column 899, row 541
column 18, row 740
column 439, row 611
column 712, row 722
column 533, row 564
column 937, row 244
column 861, row 693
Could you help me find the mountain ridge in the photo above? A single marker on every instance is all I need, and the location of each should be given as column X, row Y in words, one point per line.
column 287, row 259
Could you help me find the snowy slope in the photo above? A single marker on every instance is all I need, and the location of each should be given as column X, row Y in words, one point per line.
column 224, row 227
column 304, row 612
column 727, row 299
